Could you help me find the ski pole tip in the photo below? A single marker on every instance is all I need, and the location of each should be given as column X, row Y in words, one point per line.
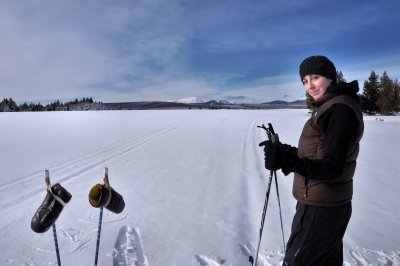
column 106, row 170
column 251, row 260
column 46, row 173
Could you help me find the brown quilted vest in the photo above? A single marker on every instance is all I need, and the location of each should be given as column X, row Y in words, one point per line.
column 336, row 191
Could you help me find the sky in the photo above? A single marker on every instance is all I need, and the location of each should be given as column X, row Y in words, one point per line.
column 135, row 50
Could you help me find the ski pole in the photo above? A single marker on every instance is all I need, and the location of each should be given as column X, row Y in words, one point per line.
column 98, row 236
column 275, row 139
column 272, row 136
column 56, row 244
column 251, row 259
column 107, row 184
column 48, row 188
column 280, row 213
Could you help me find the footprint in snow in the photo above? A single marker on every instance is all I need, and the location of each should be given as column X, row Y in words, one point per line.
column 128, row 249
column 265, row 257
column 364, row 256
column 206, row 261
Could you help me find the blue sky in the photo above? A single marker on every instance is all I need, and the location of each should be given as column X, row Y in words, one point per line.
column 135, row 50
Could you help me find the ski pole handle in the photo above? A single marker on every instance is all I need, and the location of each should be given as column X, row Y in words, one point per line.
column 105, row 179
column 47, row 179
column 272, row 136
column 271, row 128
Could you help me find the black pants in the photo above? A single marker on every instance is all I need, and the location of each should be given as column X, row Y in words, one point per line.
column 317, row 234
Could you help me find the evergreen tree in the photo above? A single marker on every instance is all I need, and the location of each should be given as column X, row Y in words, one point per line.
column 396, row 85
column 309, row 101
column 339, row 77
column 388, row 98
column 370, row 95
column 8, row 105
column 24, row 107
column 13, row 105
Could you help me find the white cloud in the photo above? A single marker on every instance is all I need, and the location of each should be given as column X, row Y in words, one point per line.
column 162, row 91
column 64, row 49
column 155, row 49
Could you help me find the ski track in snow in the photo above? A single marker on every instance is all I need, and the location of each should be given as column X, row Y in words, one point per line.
column 270, row 258
column 71, row 233
column 85, row 163
column 128, row 248
column 206, row 261
column 358, row 256
column 364, row 256
column 80, row 247
column 92, row 221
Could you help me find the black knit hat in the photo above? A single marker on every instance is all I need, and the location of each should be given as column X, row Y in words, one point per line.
column 320, row 65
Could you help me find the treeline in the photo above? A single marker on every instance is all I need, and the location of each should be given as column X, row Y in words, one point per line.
column 9, row 105
column 380, row 94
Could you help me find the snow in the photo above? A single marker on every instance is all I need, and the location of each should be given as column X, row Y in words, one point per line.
column 193, row 182
column 192, row 100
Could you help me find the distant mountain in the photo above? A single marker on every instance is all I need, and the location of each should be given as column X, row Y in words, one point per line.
column 277, row 102
column 194, row 100
column 280, row 102
column 201, row 103
column 191, row 100
column 207, row 101
column 214, row 102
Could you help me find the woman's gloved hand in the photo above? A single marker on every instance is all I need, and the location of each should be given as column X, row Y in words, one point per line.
column 279, row 156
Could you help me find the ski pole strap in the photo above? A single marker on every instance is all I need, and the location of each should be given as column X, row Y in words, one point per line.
column 63, row 203
column 109, row 196
column 107, row 185
column 48, row 188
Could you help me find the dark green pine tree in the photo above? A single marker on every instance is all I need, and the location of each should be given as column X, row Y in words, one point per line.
column 369, row 98
column 339, row 77
column 397, row 94
column 387, row 101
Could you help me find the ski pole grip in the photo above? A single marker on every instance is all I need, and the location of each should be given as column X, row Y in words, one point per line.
column 47, row 179
column 271, row 128
column 105, row 179
column 273, row 136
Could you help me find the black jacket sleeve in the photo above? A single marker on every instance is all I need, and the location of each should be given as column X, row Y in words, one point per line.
column 339, row 125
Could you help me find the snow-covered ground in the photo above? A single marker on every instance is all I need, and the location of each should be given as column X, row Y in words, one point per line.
column 193, row 183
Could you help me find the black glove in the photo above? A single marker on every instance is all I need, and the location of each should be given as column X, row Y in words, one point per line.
column 279, row 156
column 99, row 196
column 50, row 209
column 273, row 160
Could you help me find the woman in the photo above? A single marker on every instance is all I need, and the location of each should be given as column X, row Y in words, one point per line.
column 323, row 166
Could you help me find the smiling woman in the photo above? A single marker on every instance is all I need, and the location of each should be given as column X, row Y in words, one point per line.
column 323, row 164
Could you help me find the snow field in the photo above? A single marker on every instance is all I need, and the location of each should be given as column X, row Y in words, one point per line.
column 193, row 182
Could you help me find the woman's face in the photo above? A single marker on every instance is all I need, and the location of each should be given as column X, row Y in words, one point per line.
column 316, row 85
